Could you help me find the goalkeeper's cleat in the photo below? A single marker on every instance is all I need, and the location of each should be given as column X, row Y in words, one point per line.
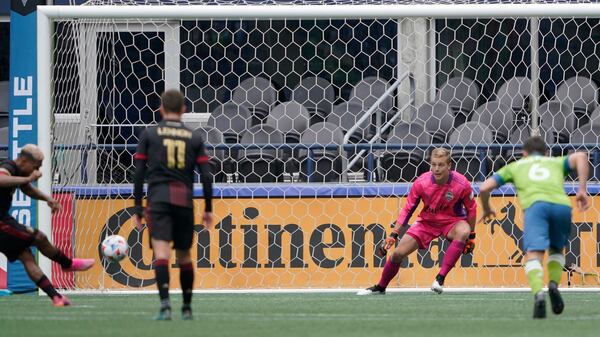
column 164, row 314
column 555, row 299
column 80, row 265
column 61, row 301
column 186, row 313
column 539, row 306
column 436, row 287
column 374, row 290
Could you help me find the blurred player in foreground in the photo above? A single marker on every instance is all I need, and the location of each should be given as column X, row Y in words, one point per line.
column 15, row 238
column 539, row 180
column 449, row 210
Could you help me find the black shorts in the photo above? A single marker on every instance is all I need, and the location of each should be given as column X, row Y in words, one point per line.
column 14, row 237
column 171, row 223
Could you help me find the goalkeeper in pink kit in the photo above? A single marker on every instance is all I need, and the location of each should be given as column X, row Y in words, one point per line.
column 449, row 209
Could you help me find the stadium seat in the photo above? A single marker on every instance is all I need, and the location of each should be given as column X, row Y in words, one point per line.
column 461, row 94
column 403, row 165
column 580, row 94
column 515, row 93
column 231, row 119
column 317, row 95
column 498, row 117
column 345, row 115
column 260, row 165
column 291, row 119
column 328, row 164
column 217, row 160
column 471, row 161
column 558, row 120
column 367, row 92
column 258, row 95
column 3, row 142
column 438, row 120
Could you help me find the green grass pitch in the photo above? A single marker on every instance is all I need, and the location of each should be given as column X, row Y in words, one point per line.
column 311, row 314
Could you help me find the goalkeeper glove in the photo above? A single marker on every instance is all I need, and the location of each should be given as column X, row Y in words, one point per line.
column 470, row 245
column 390, row 242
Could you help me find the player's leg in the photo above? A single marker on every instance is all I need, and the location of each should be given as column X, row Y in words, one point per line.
column 458, row 234
column 535, row 242
column 182, row 241
column 36, row 275
column 560, row 228
column 406, row 246
column 50, row 251
column 160, row 223
column 186, row 278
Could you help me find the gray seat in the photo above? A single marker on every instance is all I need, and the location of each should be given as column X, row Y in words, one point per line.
column 471, row 161
column 499, row 118
column 595, row 117
column 317, row 95
column 4, row 142
column 258, row 95
column 438, row 119
column 212, row 136
column 4, row 93
column 345, row 115
column 260, row 165
column 328, row 164
column 231, row 119
column 586, row 134
column 291, row 118
column 403, row 164
column 558, row 119
column 368, row 91
column 515, row 93
column 580, row 94
column 461, row 94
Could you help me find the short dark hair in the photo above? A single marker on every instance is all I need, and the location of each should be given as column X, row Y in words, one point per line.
column 172, row 100
column 535, row 144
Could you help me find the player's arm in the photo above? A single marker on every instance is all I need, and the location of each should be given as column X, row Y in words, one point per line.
column 7, row 180
column 141, row 158
column 578, row 161
column 412, row 202
column 206, row 180
column 485, row 191
column 503, row 176
column 468, row 200
column 37, row 194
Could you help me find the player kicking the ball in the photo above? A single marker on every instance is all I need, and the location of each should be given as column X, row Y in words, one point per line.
column 539, row 182
column 170, row 152
column 449, row 210
column 15, row 238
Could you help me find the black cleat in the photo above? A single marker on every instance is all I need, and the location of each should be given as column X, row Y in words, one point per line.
column 374, row 290
column 555, row 299
column 164, row 314
column 186, row 313
column 539, row 306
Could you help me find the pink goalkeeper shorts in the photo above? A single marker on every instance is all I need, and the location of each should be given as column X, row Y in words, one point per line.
column 424, row 232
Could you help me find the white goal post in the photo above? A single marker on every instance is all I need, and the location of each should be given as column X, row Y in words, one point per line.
column 47, row 16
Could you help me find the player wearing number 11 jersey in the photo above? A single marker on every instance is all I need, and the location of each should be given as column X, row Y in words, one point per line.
column 170, row 152
column 539, row 180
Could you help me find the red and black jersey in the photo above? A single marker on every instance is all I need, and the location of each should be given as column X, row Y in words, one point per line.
column 7, row 167
column 171, row 152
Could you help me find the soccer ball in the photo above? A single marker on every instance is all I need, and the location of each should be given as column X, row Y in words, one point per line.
column 115, row 248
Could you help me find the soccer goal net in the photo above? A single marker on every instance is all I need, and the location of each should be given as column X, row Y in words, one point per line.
column 318, row 116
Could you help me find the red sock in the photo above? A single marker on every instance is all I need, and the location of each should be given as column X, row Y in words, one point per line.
column 452, row 255
column 389, row 272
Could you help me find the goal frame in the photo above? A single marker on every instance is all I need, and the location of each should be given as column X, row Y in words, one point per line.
column 47, row 14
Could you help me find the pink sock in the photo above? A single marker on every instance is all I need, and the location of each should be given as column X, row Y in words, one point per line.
column 389, row 271
column 452, row 255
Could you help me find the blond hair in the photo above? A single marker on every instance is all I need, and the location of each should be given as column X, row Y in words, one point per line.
column 32, row 152
column 441, row 152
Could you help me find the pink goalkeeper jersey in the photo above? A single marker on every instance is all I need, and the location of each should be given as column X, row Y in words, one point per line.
column 451, row 201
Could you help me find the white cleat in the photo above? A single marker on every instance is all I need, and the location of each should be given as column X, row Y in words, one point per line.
column 374, row 290
column 437, row 288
